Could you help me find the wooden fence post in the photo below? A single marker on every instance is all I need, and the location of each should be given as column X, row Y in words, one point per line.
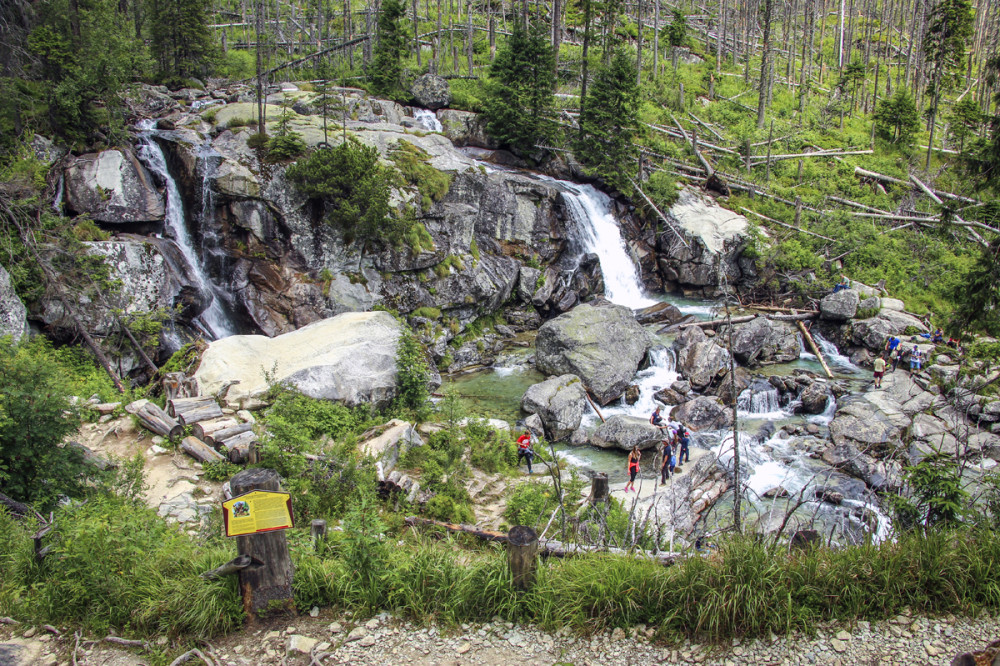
column 522, row 551
column 318, row 532
column 599, row 488
column 266, row 585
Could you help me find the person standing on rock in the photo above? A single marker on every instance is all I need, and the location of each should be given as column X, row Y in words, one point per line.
column 524, row 449
column 684, row 441
column 879, row 366
column 916, row 357
column 666, row 469
column 633, row 468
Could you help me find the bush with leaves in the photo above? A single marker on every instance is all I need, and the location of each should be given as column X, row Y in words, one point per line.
column 933, row 495
column 386, row 72
column 412, row 372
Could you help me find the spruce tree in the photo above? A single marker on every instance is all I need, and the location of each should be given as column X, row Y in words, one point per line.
column 520, row 104
column 948, row 32
column 386, row 71
column 896, row 118
column 610, row 122
column 181, row 44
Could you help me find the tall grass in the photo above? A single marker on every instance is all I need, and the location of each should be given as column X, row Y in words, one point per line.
column 746, row 589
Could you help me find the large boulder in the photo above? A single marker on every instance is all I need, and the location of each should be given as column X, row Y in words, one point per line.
column 699, row 358
column 625, row 432
column 814, row 397
column 870, row 427
column 13, row 315
column 763, row 340
column 603, row 346
column 560, row 402
column 465, row 128
column 388, row 443
column 350, row 358
column 841, row 306
column 704, row 413
column 877, row 474
column 704, row 245
column 431, row 91
column 112, row 187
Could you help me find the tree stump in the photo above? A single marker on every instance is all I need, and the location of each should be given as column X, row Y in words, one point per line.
column 318, row 532
column 599, row 491
column 522, row 551
column 267, row 584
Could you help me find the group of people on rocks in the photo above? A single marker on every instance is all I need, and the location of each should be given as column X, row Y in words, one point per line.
column 894, row 351
column 675, row 449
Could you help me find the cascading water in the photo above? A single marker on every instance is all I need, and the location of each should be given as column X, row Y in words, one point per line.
column 57, row 201
column 214, row 318
column 428, row 119
column 833, row 355
column 591, row 209
column 760, row 402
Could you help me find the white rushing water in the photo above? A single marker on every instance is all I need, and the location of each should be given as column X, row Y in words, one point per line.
column 214, row 317
column 760, row 402
column 833, row 355
column 58, row 200
column 599, row 232
column 428, row 119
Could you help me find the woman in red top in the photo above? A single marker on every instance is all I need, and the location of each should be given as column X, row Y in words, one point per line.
column 524, row 449
column 633, row 469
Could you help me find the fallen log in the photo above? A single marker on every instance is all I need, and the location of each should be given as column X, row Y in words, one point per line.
column 548, row 547
column 214, row 438
column 812, row 345
column 206, row 413
column 178, row 406
column 203, row 430
column 798, row 316
column 594, row 405
column 236, row 440
column 199, row 450
column 156, row 420
column 712, row 323
column 785, row 224
column 243, row 453
column 897, row 181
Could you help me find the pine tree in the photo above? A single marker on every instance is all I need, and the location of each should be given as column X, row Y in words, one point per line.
column 182, row 44
column 610, row 122
column 896, row 118
column 520, row 104
column 676, row 35
column 386, row 71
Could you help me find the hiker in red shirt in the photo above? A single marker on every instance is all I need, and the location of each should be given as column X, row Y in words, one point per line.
column 524, row 449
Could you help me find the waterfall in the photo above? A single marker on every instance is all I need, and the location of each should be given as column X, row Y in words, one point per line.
column 58, row 200
column 764, row 403
column 214, row 317
column 600, row 234
column 833, row 355
column 428, row 119
column 661, row 373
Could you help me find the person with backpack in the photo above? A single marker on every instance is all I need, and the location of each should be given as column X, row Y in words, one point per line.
column 667, row 468
column 524, row 449
column 916, row 357
column 633, row 468
column 879, row 367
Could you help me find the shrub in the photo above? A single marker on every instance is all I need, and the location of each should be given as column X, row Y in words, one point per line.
column 281, row 148
column 427, row 312
column 413, row 165
column 257, row 141
column 220, row 470
column 529, row 504
column 412, row 372
column 236, row 64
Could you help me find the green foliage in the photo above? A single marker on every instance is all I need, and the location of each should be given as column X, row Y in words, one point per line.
column 519, row 105
column 35, row 417
column 530, row 504
column 896, row 118
column 793, row 256
column 236, row 64
column 391, row 35
column 609, row 122
column 965, row 121
column 286, row 144
column 412, row 372
column 444, row 268
column 413, row 164
column 182, row 44
column 936, row 497
column 977, row 297
column 418, row 238
column 474, row 250
column 116, row 564
column 662, row 189
column 355, row 190
column 220, row 470
column 257, row 140
column 490, row 450
column 677, row 30
column 427, row 312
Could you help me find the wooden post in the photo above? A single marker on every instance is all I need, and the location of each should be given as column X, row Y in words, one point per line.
column 599, row 488
column 812, row 345
column 318, row 531
column 266, row 586
column 522, row 551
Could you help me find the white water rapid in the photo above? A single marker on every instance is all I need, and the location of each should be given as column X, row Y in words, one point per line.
column 58, row 200
column 428, row 119
column 214, row 318
column 760, row 402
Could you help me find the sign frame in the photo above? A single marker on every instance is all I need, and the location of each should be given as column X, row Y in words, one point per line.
column 249, row 498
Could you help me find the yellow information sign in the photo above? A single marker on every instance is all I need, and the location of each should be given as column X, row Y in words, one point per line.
column 257, row 511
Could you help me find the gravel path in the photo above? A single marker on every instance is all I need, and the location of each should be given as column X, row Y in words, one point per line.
column 384, row 640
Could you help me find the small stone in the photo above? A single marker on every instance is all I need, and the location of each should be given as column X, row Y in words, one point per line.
column 367, row 641
column 272, row 635
column 323, row 647
column 30, row 632
column 371, row 624
column 314, row 612
column 300, row 644
column 838, row 645
column 335, row 628
column 843, row 635
column 290, row 630
column 239, row 649
column 356, row 634
column 931, row 650
column 463, row 648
